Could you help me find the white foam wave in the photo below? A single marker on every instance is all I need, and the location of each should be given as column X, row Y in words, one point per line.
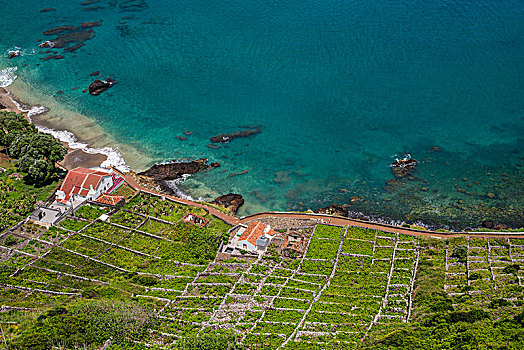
column 173, row 185
column 7, row 76
column 114, row 157
column 20, row 52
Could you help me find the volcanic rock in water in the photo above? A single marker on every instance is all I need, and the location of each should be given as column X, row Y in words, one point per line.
column 74, row 47
column 91, row 24
column 47, row 44
column 60, row 29
column 94, row 73
column 173, row 171
column 80, row 36
column 47, row 9
column 393, row 185
column 231, row 201
column 15, row 53
column 403, row 167
column 333, row 209
column 99, row 86
column 133, row 5
column 223, row 138
column 89, row 2
column 93, row 8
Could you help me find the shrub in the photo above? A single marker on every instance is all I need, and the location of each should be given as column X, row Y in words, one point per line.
column 474, row 276
column 460, row 252
column 496, row 303
column 511, row 269
column 145, row 280
column 10, row 241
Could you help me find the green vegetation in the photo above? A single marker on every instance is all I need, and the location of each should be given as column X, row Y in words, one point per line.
column 36, row 152
column 155, row 280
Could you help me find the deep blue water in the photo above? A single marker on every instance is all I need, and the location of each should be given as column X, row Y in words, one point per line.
column 339, row 87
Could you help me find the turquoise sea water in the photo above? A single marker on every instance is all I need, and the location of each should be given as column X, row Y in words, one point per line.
column 340, row 89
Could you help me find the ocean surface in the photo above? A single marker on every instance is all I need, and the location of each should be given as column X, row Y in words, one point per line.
column 339, row 88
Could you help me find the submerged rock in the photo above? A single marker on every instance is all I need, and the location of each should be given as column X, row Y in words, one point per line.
column 333, row 209
column 99, row 86
column 91, row 24
column 133, row 5
column 74, row 47
column 60, row 29
column 224, row 138
column 80, row 36
column 230, row 201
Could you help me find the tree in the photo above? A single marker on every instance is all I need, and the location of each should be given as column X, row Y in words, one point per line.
column 37, row 152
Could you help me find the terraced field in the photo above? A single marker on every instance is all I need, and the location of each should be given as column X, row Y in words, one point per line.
column 350, row 289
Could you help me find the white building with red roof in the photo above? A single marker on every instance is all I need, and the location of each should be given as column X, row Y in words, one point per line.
column 255, row 237
column 83, row 184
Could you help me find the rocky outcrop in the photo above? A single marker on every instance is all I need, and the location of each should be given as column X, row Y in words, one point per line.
column 99, row 86
column 224, row 138
column 403, row 167
column 230, row 201
column 133, row 5
column 91, row 24
column 74, row 47
column 333, row 209
column 80, row 36
column 60, row 29
column 175, row 170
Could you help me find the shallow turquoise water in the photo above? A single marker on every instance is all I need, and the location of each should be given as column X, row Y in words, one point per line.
column 339, row 87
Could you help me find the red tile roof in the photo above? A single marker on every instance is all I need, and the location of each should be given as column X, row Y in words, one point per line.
column 79, row 181
column 109, row 199
column 254, row 231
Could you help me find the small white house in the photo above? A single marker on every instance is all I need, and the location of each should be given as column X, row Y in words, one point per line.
column 255, row 237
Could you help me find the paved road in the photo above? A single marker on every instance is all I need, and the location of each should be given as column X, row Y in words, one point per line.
column 232, row 220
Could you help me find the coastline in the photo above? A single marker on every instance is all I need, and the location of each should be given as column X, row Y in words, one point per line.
column 76, row 157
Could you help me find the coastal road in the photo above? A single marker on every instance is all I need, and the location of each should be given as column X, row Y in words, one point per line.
column 341, row 221
column 231, row 220
column 327, row 219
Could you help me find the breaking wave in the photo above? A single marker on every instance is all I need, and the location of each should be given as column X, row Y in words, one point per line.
column 7, row 76
column 114, row 157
